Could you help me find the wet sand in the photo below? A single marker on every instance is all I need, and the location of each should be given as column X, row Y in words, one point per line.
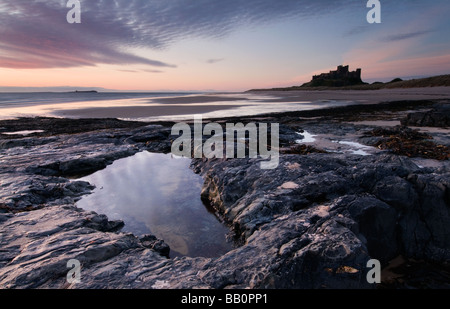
column 201, row 104
column 140, row 111
column 362, row 96
column 202, row 98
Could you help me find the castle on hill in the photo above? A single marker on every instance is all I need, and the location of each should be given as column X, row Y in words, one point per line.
column 341, row 77
column 342, row 72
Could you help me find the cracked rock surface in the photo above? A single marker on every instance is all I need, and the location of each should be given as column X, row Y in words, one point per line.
column 313, row 222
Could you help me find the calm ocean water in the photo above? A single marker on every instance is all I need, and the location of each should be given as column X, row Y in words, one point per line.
column 32, row 104
column 36, row 98
column 176, row 106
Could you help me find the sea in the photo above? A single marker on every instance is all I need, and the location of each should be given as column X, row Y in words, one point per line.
column 168, row 106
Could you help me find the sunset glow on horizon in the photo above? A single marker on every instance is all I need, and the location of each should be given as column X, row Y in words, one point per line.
column 211, row 45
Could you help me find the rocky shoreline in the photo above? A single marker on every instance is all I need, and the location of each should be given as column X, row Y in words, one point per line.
column 313, row 222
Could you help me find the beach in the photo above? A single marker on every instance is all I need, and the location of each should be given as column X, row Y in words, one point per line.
column 355, row 182
column 169, row 106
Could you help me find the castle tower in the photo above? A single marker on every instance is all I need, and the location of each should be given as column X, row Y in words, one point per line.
column 340, row 77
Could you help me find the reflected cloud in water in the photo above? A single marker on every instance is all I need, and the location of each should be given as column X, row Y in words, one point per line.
column 158, row 194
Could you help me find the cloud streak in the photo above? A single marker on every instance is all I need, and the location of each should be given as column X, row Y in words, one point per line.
column 405, row 36
column 35, row 34
column 214, row 60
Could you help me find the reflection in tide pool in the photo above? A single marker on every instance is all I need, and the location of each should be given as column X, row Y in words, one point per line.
column 160, row 195
column 356, row 148
column 307, row 138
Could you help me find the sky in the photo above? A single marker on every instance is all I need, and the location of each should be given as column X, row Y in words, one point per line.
column 216, row 45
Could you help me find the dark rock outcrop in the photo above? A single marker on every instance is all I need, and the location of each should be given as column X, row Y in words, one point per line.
column 385, row 197
column 437, row 117
column 313, row 222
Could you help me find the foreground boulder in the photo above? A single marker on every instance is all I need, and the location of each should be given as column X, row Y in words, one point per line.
column 396, row 207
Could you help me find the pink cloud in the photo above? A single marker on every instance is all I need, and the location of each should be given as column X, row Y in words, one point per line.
column 384, row 60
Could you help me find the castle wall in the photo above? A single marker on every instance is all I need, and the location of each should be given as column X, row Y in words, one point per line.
column 342, row 72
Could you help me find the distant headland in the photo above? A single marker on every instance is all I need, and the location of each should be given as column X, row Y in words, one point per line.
column 344, row 79
column 84, row 91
